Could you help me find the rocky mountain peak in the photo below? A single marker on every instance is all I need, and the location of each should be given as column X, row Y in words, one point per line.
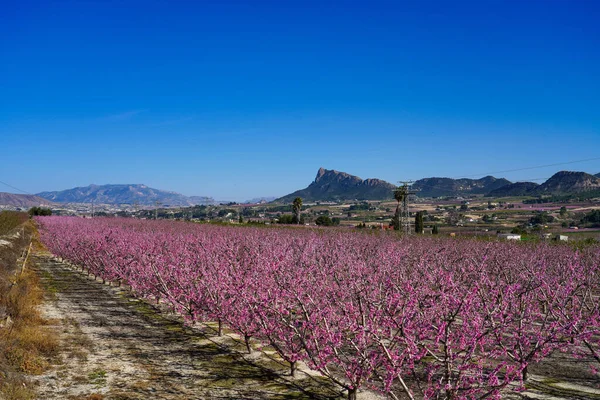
column 332, row 185
column 320, row 173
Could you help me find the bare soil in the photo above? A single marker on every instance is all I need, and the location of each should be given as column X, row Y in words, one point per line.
column 114, row 346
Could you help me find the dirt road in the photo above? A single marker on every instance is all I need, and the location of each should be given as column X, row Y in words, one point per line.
column 114, row 346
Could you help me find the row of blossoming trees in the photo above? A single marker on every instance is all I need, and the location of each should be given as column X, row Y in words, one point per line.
column 418, row 318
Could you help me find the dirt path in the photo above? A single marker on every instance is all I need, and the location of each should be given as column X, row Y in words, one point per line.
column 116, row 347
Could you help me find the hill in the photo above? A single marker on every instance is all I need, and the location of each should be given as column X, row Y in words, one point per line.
column 565, row 182
column 23, row 200
column 331, row 185
column 514, row 189
column 122, row 194
column 438, row 187
column 257, row 200
column 201, row 200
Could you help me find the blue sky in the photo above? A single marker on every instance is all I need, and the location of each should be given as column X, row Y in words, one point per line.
column 239, row 99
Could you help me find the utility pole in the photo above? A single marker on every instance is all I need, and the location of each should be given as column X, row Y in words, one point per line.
column 405, row 211
column 92, row 208
column 156, row 203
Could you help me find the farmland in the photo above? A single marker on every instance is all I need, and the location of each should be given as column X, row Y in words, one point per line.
column 419, row 317
column 532, row 217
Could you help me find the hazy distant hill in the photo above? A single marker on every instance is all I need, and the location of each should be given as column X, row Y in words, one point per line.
column 122, row 194
column 597, row 175
column 22, row 200
column 438, row 187
column 568, row 182
column 260, row 200
column 330, row 185
column 514, row 189
column 201, row 200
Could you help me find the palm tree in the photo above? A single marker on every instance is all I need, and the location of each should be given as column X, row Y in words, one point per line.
column 296, row 208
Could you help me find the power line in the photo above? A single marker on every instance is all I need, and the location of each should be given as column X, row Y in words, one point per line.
column 16, row 188
column 531, row 179
column 527, row 168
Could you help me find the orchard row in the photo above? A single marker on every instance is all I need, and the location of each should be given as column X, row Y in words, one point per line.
column 418, row 317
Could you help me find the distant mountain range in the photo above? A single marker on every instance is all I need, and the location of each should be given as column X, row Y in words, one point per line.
column 123, row 194
column 439, row 187
column 331, row 185
column 563, row 182
column 257, row 200
column 201, row 200
column 23, row 200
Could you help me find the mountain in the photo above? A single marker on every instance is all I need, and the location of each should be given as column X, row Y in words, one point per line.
column 330, row 185
column 564, row 182
column 201, row 200
column 23, row 200
column 122, row 194
column 438, row 187
column 514, row 189
column 561, row 183
column 257, row 200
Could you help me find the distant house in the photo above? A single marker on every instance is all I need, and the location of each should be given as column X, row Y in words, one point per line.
column 509, row 236
column 561, row 238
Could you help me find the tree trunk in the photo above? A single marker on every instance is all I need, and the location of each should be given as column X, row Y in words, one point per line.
column 352, row 393
column 524, row 373
column 247, row 340
column 293, row 369
column 220, row 329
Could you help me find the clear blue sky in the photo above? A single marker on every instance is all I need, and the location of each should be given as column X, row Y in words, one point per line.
column 237, row 99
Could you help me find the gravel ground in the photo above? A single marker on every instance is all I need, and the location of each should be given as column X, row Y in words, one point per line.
column 114, row 346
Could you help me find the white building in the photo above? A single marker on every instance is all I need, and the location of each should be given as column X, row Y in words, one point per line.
column 509, row 236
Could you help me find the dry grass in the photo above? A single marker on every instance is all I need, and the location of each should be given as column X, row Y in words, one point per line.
column 9, row 220
column 14, row 390
column 26, row 344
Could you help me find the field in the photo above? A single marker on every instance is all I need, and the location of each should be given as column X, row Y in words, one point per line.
column 26, row 343
column 410, row 318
